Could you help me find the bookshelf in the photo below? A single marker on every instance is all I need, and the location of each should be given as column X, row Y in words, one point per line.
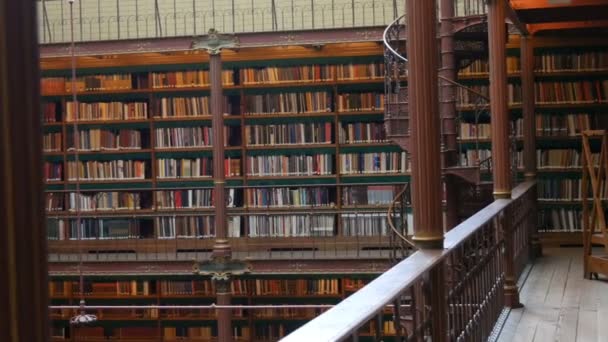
column 571, row 82
column 299, row 136
column 264, row 324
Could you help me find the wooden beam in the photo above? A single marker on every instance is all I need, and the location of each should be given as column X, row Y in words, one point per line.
column 514, row 19
column 542, row 4
column 535, row 28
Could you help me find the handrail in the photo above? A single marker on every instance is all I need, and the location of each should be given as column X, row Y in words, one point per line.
column 391, row 209
column 483, row 240
column 404, row 59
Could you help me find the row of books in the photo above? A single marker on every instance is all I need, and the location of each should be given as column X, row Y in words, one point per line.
column 288, row 103
column 572, row 61
column 105, row 111
column 50, row 112
column 301, row 73
column 186, row 79
column 194, row 167
column 470, row 131
column 206, row 287
column 360, row 71
column 467, row 98
column 181, row 106
column 364, row 224
column 185, row 137
column 58, row 85
column 571, row 92
column 295, row 287
column 106, row 170
column 376, row 162
column 201, row 136
column 182, row 199
column 200, row 78
column 566, row 189
column 547, row 125
column 291, row 225
column 362, row 132
column 360, row 102
column 185, row 227
column 562, row 125
column 102, row 201
column 52, row 142
column 286, row 313
column 199, row 287
column 188, row 333
column 53, row 171
column 480, row 67
column 368, row 195
column 546, row 159
column 552, row 62
column 558, row 158
column 287, row 197
column 96, row 139
column 92, row 229
column 560, row 219
column 260, row 225
column 285, row 134
column 290, row 165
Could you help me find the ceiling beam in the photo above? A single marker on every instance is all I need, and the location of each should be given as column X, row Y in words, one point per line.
column 519, row 5
column 514, row 19
column 535, row 28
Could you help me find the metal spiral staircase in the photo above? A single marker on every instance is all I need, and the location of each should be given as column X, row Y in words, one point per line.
column 470, row 44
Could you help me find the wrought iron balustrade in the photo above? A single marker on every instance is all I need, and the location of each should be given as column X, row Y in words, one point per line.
column 479, row 255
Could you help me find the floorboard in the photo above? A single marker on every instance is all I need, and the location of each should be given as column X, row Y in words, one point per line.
column 559, row 304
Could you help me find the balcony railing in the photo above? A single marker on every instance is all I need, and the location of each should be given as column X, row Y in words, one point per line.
column 96, row 20
column 457, row 292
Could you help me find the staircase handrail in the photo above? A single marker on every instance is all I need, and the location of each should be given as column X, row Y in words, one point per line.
column 388, row 46
column 389, row 217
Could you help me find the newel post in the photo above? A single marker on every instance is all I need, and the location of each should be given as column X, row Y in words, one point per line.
column 508, row 231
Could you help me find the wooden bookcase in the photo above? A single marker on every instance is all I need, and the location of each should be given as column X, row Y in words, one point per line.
column 563, row 68
column 199, row 324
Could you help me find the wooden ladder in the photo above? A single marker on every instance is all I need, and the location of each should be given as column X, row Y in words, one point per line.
column 595, row 232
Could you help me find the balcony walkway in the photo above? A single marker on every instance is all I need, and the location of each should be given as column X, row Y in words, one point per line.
column 560, row 305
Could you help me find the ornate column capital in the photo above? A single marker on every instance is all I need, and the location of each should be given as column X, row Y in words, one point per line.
column 214, row 42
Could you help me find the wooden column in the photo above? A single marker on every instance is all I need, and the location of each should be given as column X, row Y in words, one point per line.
column 23, row 255
column 498, row 99
column 447, row 110
column 424, row 112
column 425, row 140
column 221, row 248
column 529, row 115
column 527, row 89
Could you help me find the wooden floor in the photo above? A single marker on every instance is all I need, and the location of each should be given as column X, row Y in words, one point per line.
column 559, row 304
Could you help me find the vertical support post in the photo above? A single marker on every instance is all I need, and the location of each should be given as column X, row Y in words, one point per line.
column 510, row 286
column 23, row 255
column 118, row 18
column 424, row 109
column 224, row 316
column 426, row 163
column 527, row 87
column 529, row 116
column 221, row 248
column 438, row 302
column 498, row 99
column 448, row 109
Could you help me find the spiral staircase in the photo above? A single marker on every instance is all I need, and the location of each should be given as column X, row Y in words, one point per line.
column 470, row 44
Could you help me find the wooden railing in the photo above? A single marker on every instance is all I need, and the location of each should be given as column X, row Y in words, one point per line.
column 454, row 294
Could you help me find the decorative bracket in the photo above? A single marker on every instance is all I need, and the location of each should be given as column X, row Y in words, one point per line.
column 214, row 42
